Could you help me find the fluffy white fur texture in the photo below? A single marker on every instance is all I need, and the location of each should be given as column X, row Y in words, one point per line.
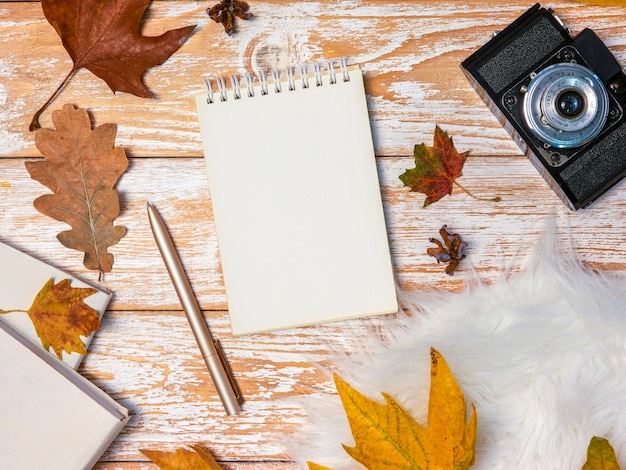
column 541, row 353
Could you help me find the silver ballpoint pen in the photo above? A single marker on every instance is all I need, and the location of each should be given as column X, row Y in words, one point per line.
column 211, row 350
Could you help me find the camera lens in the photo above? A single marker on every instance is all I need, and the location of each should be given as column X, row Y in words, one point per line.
column 565, row 105
column 570, row 103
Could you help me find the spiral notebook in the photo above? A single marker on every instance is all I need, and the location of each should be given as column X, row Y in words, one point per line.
column 296, row 198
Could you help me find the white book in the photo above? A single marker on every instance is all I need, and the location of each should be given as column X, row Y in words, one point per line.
column 50, row 416
column 296, row 200
column 22, row 277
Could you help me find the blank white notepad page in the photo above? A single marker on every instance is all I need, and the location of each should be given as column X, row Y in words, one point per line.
column 297, row 205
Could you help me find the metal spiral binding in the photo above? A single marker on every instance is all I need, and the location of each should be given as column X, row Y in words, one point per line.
column 317, row 74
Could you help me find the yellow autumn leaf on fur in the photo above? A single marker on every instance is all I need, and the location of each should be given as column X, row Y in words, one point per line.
column 387, row 437
column 600, row 455
column 183, row 459
column 605, row 3
column 314, row 466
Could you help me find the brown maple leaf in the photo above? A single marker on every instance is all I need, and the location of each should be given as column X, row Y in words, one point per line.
column 60, row 316
column 450, row 251
column 225, row 12
column 436, row 169
column 104, row 37
column 81, row 167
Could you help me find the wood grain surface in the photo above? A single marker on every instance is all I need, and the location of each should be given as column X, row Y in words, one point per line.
column 144, row 355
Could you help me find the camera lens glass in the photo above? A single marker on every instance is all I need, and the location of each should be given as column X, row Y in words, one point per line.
column 570, row 103
column 565, row 105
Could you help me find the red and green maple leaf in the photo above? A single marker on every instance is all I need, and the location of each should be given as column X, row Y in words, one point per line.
column 104, row 37
column 436, row 168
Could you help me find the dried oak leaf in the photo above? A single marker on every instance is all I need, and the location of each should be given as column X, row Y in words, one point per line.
column 225, row 12
column 81, row 166
column 386, row 436
column 183, row 459
column 600, row 455
column 104, row 37
column 436, row 168
column 60, row 316
column 450, row 251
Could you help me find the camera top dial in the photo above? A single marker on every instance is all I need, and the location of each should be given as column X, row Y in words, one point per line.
column 565, row 105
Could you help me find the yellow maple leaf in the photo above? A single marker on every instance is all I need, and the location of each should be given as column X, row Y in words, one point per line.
column 183, row 459
column 600, row 455
column 387, row 437
column 60, row 316
column 605, row 3
column 314, row 466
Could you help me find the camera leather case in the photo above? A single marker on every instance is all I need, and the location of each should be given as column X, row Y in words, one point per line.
column 562, row 99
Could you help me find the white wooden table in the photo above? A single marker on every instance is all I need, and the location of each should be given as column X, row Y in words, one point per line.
column 144, row 354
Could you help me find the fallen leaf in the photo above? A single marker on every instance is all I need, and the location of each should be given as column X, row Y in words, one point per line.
column 183, row 459
column 314, row 466
column 104, row 37
column 225, row 12
column 605, row 3
column 600, row 455
column 81, row 166
column 386, row 436
column 450, row 251
column 436, row 168
column 60, row 316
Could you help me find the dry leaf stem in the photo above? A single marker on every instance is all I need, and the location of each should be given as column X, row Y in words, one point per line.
column 488, row 199
column 34, row 124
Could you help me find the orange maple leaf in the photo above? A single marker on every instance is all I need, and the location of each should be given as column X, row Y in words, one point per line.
column 104, row 37
column 60, row 316
column 183, row 459
column 81, row 167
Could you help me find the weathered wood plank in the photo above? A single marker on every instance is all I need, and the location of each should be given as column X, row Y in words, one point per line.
column 138, row 465
column 144, row 355
column 178, row 187
column 150, row 363
column 410, row 53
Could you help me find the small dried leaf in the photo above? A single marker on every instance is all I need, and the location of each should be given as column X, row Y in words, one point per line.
column 225, row 12
column 451, row 251
column 81, row 167
column 60, row 317
column 436, row 168
column 600, row 455
column 183, row 459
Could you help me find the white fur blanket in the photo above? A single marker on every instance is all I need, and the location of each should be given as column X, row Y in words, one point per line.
column 541, row 353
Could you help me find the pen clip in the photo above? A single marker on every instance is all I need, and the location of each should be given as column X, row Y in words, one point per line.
column 229, row 373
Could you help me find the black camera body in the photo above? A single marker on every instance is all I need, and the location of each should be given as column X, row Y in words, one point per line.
column 562, row 99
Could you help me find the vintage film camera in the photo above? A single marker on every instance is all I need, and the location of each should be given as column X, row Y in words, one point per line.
column 562, row 99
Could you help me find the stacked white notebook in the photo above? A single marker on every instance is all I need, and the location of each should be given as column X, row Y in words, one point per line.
column 51, row 417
